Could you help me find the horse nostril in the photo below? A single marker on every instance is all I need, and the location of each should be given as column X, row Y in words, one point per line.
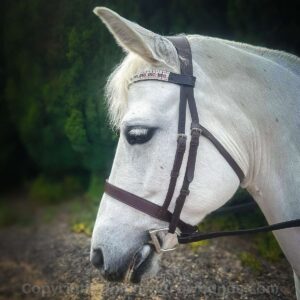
column 97, row 258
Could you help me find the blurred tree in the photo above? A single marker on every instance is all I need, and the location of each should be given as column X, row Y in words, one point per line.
column 57, row 59
column 270, row 23
column 57, row 56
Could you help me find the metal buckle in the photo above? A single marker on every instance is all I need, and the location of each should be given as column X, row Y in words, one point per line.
column 181, row 135
column 196, row 130
column 170, row 241
column 185, row 192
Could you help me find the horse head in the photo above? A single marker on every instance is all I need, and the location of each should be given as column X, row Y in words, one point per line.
column 146, row 114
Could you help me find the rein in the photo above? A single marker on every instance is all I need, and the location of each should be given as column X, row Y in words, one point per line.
column 187, row 233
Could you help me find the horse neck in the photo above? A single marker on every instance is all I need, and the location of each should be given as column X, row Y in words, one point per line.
column 275, row 159
column 275, row 170
column 254, row 102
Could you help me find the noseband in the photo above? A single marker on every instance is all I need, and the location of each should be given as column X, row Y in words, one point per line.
column 187, row 233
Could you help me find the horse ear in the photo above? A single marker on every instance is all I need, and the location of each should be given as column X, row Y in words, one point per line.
column 152, row 47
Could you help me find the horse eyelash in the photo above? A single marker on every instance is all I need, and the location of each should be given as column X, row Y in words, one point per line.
column 138, row 131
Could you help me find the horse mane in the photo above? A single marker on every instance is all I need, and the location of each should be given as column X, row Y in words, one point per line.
column 284, row 59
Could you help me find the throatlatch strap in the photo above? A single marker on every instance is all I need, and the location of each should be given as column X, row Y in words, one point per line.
column 239, row 172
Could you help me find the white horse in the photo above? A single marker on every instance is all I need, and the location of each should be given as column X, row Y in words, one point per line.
column 248, row 97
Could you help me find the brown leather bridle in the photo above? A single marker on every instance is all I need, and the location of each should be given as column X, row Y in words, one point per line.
column 188, row 233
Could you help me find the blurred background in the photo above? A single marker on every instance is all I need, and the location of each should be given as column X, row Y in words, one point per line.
column 56, row 146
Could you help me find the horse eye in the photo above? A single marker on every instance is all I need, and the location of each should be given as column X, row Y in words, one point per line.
column 138, row 134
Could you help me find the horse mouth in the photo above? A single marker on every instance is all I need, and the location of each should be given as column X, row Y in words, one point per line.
column 140, row 264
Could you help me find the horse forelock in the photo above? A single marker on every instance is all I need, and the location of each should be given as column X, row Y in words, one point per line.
column 116, row 90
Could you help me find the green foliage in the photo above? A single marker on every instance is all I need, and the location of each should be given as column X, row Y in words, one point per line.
column 44, row 191
column 82, row 228
column 268, row 247
column 48, row 213
column 226, row 222
column 267, row 23
column 265, row 244
column 7, row 215
column 74, row 129
column 234, row 220
column 83, row 212
column 251, row 261
column 195, row 245
column 49, row 190
column 57, row 55
column 95, row 188
column 53, row 80
column 15, row 212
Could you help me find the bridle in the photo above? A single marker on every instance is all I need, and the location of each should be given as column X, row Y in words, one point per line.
column 186, row 233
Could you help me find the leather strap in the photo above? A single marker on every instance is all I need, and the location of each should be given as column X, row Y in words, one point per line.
column 185, row 71
column 196, row 236
column 186, row 94
column 182, row 79
column 144, row 206
column 181, row 146
column 239, row 172
column 162, row 75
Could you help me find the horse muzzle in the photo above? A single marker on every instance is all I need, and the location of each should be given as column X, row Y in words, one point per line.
column 126, row 269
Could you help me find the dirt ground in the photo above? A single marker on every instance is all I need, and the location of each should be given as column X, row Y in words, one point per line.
column 51, row 262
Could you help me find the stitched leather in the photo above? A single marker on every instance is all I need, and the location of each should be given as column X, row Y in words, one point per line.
column 182, row 79
column 196, row 236
column 181, row 146
column 239, row 172
column 144, row 206
column 187, row 94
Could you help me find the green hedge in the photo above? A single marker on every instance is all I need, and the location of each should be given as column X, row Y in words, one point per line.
column 57, row 56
